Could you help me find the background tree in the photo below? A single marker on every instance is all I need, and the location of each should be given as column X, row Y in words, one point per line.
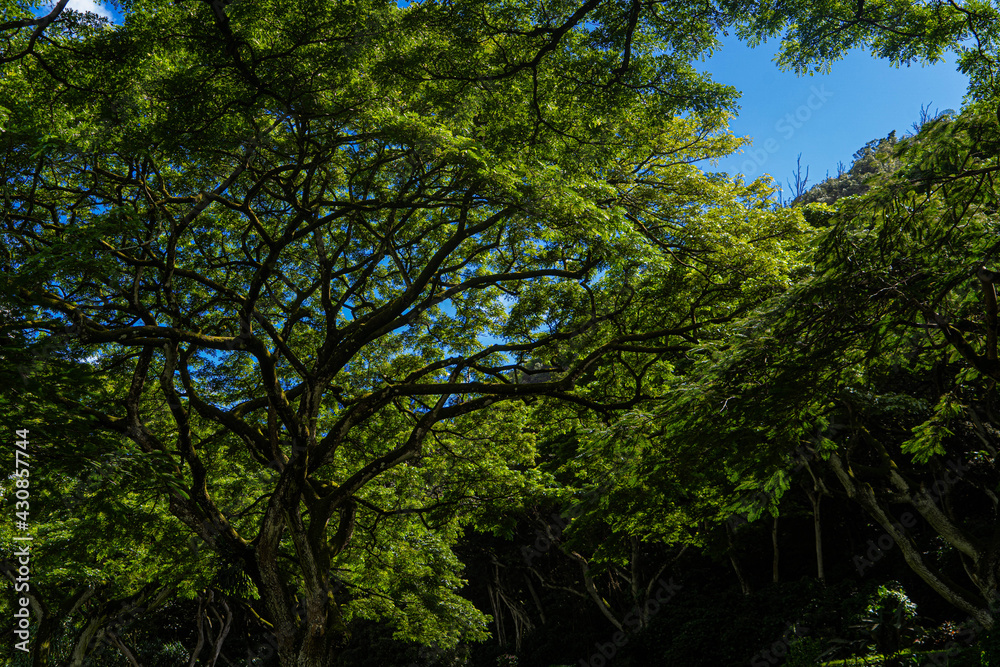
column 881, row 362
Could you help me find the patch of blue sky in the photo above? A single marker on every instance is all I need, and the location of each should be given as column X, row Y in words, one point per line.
column 108, row 10
column 825, row 117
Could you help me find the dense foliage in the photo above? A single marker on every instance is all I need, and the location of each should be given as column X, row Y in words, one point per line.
column 368, row 332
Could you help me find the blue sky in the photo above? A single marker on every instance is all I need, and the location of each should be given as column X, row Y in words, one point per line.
column 85, row 6
column 825, row 117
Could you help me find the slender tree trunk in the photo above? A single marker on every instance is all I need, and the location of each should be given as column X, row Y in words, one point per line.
column 636, row 588
column 534, row 596
column 588, row 582
column 814, row 498
column 226, row 626
column 200, row 623
column 945, row 587
column 92, row 633
column 744, row 586
column 120, row 645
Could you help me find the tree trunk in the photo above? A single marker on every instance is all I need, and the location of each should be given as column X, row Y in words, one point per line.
column 814, row 499
column 534, row 596
column 588, row 582
column 956, row 595
column 744, row 586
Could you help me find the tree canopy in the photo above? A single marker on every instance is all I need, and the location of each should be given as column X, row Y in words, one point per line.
column 320, row 288
column 324, row 258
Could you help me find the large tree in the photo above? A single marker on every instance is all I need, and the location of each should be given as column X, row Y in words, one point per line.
column 323, row 257
column 879, row 366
